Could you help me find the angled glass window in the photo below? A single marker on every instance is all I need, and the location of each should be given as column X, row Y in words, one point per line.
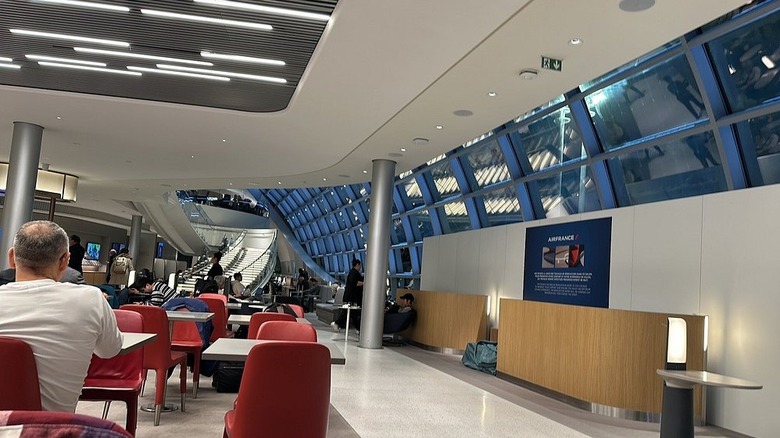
column 343, row 219
column 501, row 206
column 329, row 244
column 421, row 221
column 662, row 97
column 569, row 192
column 398, row 235
column 760, row 141
column 687, row 167
column 322, row 203
column 333, row 200
column 540, row 108
column 300, row 196
column 402, row 255
column 747, row 62
column 456, row 217
column 551, row 140
column 445, row 184
column 343, row 194
column 309, row 234
column 590, row 84
column 488, row 165
column 339, row 241
column 411, row 194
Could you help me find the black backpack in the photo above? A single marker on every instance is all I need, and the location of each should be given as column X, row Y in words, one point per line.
column 280, row 308
column 206, row 287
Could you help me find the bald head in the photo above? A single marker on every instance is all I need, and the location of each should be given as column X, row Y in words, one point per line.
column 39, row 246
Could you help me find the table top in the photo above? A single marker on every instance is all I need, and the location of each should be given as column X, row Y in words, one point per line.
column 237, row 350
column 189, row 316
column 687, row 379
column 133, row 341
column 244, row 320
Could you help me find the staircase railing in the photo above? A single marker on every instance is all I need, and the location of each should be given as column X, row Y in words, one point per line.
column 268, row 260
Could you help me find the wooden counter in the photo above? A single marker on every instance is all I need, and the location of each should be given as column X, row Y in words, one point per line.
column 447, row 320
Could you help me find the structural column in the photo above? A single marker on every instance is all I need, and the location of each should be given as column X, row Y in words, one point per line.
column 20, row 184
column 135, row 238
column 373, row 314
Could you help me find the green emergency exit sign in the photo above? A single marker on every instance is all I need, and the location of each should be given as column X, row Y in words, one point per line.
column 552, row 63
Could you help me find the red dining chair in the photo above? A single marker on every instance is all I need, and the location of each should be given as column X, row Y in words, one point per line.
column 260, row 317
column 186, row 338
column 120, row 377
column 286, row 331
column 158, row 355
column 218, row 306
column 58, row 424
column 301, row 373
column 299, row 312
column 19, row 387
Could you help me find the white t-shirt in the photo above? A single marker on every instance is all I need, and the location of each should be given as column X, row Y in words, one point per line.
column 64, row 324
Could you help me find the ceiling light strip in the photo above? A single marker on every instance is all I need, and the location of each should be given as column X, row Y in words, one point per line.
column 65, row 60
column 224, row 73
column 239, row 58
column 266, row 9
column 177, row 73
column 85, row 67
column 4, row 59
column 69, row 37
column 140, row 56
column 202, row 19
column 86, row 5
column 11, row 66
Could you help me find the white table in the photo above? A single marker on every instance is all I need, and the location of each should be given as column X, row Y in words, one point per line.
column 189, row 316
column 346, row 329
column 237, row 350
column 244, row 320
column 134, row 341
column 677, row 407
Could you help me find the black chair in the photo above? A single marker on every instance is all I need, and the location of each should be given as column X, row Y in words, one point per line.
column 395, row 323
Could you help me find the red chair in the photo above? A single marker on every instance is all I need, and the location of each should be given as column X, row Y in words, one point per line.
column 260, row 317
column 158, row 355
column 59, row 424
column 218, row 305
column 301, row 386
column 286, row 331
column 186, row 338
column 120, row 377
column 299, row 312
column 19, row 387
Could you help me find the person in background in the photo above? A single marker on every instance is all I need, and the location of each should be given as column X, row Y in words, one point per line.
column 120, row 268
column 236, row 288
column 111, row 257
column 63, row 323
column 160, row 292
column 353, row 291
column 216, row 268
column 403, row 305
column 303, row 279
column 76, row 253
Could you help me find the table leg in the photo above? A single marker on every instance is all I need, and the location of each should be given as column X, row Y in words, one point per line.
column 677, row 413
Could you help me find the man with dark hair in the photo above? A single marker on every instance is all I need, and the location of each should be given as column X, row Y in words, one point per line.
column 216, row 268
column 403, row 305
column 353, row 291
column 76, row 253
column 160, row 292
column 63, row 323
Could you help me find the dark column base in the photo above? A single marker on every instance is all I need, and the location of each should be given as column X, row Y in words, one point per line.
column 677, row 413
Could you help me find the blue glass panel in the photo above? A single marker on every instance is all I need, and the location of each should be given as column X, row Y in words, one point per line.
column 662, row 97
column 748, row 62
column 445, row 184
column 411, row 194
column 343, row 219
column 568, row 193
column 488, row 165
column 552, row 140
column 321, row 246
column 763, row 145
column 687, row 167
column 456, row 217
column 333, row 224
column 307, row 230
column 322, row 203
column 502, row 206
column 422, row 224
column 398, row 234
column 333, row 200
column 590, row 84
column 339, row 241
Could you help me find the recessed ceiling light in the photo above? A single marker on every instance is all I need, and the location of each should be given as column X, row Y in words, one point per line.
column 324, row 179
column 177, row 73
column 419, row 141
column 365, row 171
column 66, row 60
column 439, row 127
column 266, row 9
column 528, row 73
column 59, row 118
column 224, row 73
column 86, row 67
column 86, row 5
column 192, row 156
column 492, row 93
column 140, row 56
column 224, row 140
column 279, row 182
column 13, row 66
column 463, row 113
column 575, row 41
column 403, row 149
column 239, row 58
column 636, row 5
column 61, row 36
column 3, row 59
column 202, row 19
column 343, row 176
column 231, row 184
column 768, row 62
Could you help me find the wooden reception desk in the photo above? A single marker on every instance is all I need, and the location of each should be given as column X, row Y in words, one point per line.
column 599, row 356
column 447, row 321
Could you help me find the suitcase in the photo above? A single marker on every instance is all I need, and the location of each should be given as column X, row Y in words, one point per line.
column 227, row 377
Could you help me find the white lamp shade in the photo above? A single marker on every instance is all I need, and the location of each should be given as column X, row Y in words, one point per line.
column 677, row 342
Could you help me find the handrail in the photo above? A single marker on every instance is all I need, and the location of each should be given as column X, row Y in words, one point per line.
column 270, row 263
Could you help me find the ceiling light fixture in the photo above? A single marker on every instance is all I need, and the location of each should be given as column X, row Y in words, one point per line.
column 66, row 60
column 324, row 179
column 201, row 19
column 4, row 59
column 224, row 140
column 279, row 182
column 140, row 56
column 239, row 58
column 492, row 93
column 86, row 67
column 62, row 36
column 86, row 5
column 463, row 113
column 767, row 62
column 575, row 41
column 365, row 171
column 266, row 9
column 224, row 73
column 59, row 118
column 528, row 73
column 177, row 73
column 420, row 141
column 439, row 127
column 636, row 5
column 403, row 149
column 13, row 66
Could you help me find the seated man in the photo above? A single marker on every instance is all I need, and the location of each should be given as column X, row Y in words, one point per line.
column 63, row 323
column 403, row 305
column 160, row 292
column 236, row 288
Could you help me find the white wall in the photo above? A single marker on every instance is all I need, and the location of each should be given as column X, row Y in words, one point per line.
column 709, row 255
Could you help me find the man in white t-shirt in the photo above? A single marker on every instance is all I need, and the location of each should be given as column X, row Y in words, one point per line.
column 63, row 323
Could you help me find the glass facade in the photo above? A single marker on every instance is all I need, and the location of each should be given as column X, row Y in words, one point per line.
column 699, row 115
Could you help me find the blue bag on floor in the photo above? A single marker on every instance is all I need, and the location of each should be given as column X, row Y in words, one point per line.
column 481, row 356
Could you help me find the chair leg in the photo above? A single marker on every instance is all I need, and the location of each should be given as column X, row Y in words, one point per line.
column 106, row 407
column 161, row 382
column 143, row 383
column 132, row 415
column 195, row 374
column 183, row 382
column 157, row 412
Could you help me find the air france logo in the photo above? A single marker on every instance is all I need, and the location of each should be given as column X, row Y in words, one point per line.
column 564, row 238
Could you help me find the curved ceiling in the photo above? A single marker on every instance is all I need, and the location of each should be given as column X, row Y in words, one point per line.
column 382, row 74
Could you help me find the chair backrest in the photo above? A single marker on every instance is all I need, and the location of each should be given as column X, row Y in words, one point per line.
column 158, row 353
column 122, row 367
column 259, row 318
column 298, row 310
column 48, row 423
column 19, row 387
column 185, row 331
column 286, row 331
column 301, row 386
column 218, row 306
